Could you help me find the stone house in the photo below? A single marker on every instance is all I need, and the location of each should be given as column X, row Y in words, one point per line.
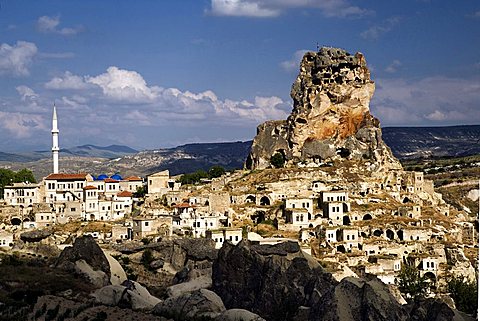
column 22, row 194
column 233, row 235
column 6, row 239
column 151, row 226
column 120, row 233
column 160, row 183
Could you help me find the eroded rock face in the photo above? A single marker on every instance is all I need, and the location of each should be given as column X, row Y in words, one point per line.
column 86, row 258
column 330, row 119
column 272, row 281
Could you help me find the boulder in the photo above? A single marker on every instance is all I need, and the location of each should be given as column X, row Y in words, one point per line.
column 203, row 282
column 238, row 315
column 436, row 310
column 110, row 295
column 97, row 278
column 35, row 235
column 138, row 296
column 198, row 305
column 86, row 252
column 272, row 281
column 117, row 273
column 130, row 295
column 355, row 299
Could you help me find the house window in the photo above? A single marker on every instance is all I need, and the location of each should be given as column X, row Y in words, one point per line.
column 236, row 237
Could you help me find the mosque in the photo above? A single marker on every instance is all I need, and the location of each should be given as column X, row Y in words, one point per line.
column 63, row 197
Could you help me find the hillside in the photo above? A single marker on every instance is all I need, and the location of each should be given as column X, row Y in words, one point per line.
column 427, row 142
column 407, row 143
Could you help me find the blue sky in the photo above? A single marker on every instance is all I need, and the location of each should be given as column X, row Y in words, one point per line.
column 162, row 73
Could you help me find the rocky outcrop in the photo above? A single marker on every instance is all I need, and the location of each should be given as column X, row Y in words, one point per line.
column 130, row 295
column 87, row 259
column 355, row 299
column 54, row 308
column 280, row 282
column 272, row 281
column 35, row 235
column 330, row 120
column 198, row 305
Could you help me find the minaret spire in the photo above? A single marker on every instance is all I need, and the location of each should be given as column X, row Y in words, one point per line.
column 55, row 148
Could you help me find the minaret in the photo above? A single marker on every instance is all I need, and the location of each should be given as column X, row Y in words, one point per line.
column 55, row 147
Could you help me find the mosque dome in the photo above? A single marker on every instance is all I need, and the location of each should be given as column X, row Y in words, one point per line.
column 116, row 177
column 101, row 177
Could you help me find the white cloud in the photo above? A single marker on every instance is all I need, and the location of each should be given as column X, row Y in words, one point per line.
column 375, row 32
column 393, row 67
column 48, row 24
column 26, row 93
column 294, row 63
column 21, row 125
column 432, row 100
column 240, row 8
column 67, row 81
column 124, row 85
column 16, row 59
column 274, row 8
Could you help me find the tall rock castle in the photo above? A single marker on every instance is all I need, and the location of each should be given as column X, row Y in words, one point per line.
column 330, row 120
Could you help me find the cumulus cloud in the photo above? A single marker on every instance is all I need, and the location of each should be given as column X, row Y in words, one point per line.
column 17, row 59
column 26, row 93
column 48, row 24
column 393, row 67
column 67, row 81
column 294, row 63
column 21, row 125
column 376, row 31
column 274, row 8
column 124, row 85
column 432, row 100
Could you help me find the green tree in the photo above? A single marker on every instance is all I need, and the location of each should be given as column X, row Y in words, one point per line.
column 24, row 175
column 464, row 293
column 411, row 283
column 141, row 191
column 216, row 171
column 8, row 177
column 193, row 178
column 277, row 160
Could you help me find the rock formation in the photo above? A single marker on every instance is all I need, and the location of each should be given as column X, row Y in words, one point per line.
column 330, row 119
column 87, row 259
column 280, row 282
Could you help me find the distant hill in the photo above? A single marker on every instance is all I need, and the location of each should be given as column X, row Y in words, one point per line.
column 112, row 151
column 191, row 157
column 429, row 142
column 406, row 143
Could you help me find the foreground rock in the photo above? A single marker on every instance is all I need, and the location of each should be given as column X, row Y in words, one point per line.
column 282, row 283
column 56, row 308
column 272, row 281
column 130, row 295
column 87, row 259
column 330, row 120
column 198, row 305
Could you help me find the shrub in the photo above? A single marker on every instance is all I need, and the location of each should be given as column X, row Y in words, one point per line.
column 464, row 293
column 411, row 283
column 277, row 160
